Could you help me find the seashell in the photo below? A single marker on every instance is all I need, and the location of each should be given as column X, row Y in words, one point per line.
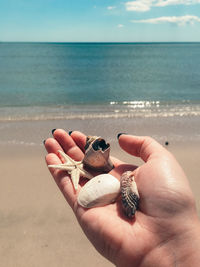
column 101, row 190
column 130, row 195
column 97, row 154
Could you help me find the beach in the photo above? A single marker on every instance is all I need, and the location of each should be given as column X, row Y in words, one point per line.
column 37, row 227
column 103, row 89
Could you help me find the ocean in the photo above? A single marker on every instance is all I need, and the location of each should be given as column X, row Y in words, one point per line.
column 44, row 81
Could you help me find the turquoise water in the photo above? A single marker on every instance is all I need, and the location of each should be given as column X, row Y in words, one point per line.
column 59, row 80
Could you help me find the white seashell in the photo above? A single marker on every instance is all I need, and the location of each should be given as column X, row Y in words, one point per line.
column 101, row 190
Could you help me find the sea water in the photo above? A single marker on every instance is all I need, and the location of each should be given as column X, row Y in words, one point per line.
column 41, row 81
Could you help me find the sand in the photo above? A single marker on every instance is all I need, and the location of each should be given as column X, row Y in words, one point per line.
column 37, row 227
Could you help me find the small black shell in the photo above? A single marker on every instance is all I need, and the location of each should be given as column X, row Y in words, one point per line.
column 129, row 192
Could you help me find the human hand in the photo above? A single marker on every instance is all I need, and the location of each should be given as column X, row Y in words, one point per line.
column 166, row 227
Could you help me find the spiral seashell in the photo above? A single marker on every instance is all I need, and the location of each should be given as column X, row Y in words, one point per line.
column 97, row 154
column 101, row 190
column 130, row 195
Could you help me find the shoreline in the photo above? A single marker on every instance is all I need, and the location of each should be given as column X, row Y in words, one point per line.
column 113, row 110
column 167, row 129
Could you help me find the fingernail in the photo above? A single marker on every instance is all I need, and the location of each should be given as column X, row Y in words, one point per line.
column 53, row 131
column 120, row 135
column 70, row 132
column 44, row 142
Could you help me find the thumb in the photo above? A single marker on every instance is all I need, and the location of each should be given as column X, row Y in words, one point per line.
column 141, row 146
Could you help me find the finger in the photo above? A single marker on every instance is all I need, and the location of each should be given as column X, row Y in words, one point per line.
column 68, row 144
column 52, row 146
column 140, row 146
column 53, row 159
column 62, row 180
column 80, row 139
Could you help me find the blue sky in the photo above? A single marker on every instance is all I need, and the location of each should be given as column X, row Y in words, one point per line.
column 99, row 20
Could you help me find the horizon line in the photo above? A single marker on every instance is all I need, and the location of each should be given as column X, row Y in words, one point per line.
column 99, row 42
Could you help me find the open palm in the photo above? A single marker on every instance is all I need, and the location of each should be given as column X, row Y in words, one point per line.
column 166, row 200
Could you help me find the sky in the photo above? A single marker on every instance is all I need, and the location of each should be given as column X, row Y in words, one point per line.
column 100, row 20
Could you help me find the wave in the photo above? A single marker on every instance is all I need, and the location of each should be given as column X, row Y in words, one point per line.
column 115, row 110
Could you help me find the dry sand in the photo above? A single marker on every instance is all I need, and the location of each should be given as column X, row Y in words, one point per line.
column 37, row 227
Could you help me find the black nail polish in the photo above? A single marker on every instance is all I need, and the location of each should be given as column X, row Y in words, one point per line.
column 53, row 131
column 119, row 135
column 70, row 132
column 44, row 142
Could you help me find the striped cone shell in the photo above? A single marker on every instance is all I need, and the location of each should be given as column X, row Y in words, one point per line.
column 130, row 195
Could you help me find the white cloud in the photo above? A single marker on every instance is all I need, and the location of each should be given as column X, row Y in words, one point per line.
column 139, row 6
column 176, row 2
column 146, row 5
column 181, row 21
column 111, row 7
column 120, row 25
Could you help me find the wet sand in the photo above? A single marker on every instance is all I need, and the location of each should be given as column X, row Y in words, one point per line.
column 37, row 227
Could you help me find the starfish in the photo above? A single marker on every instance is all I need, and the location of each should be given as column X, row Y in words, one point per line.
column 74, row 168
